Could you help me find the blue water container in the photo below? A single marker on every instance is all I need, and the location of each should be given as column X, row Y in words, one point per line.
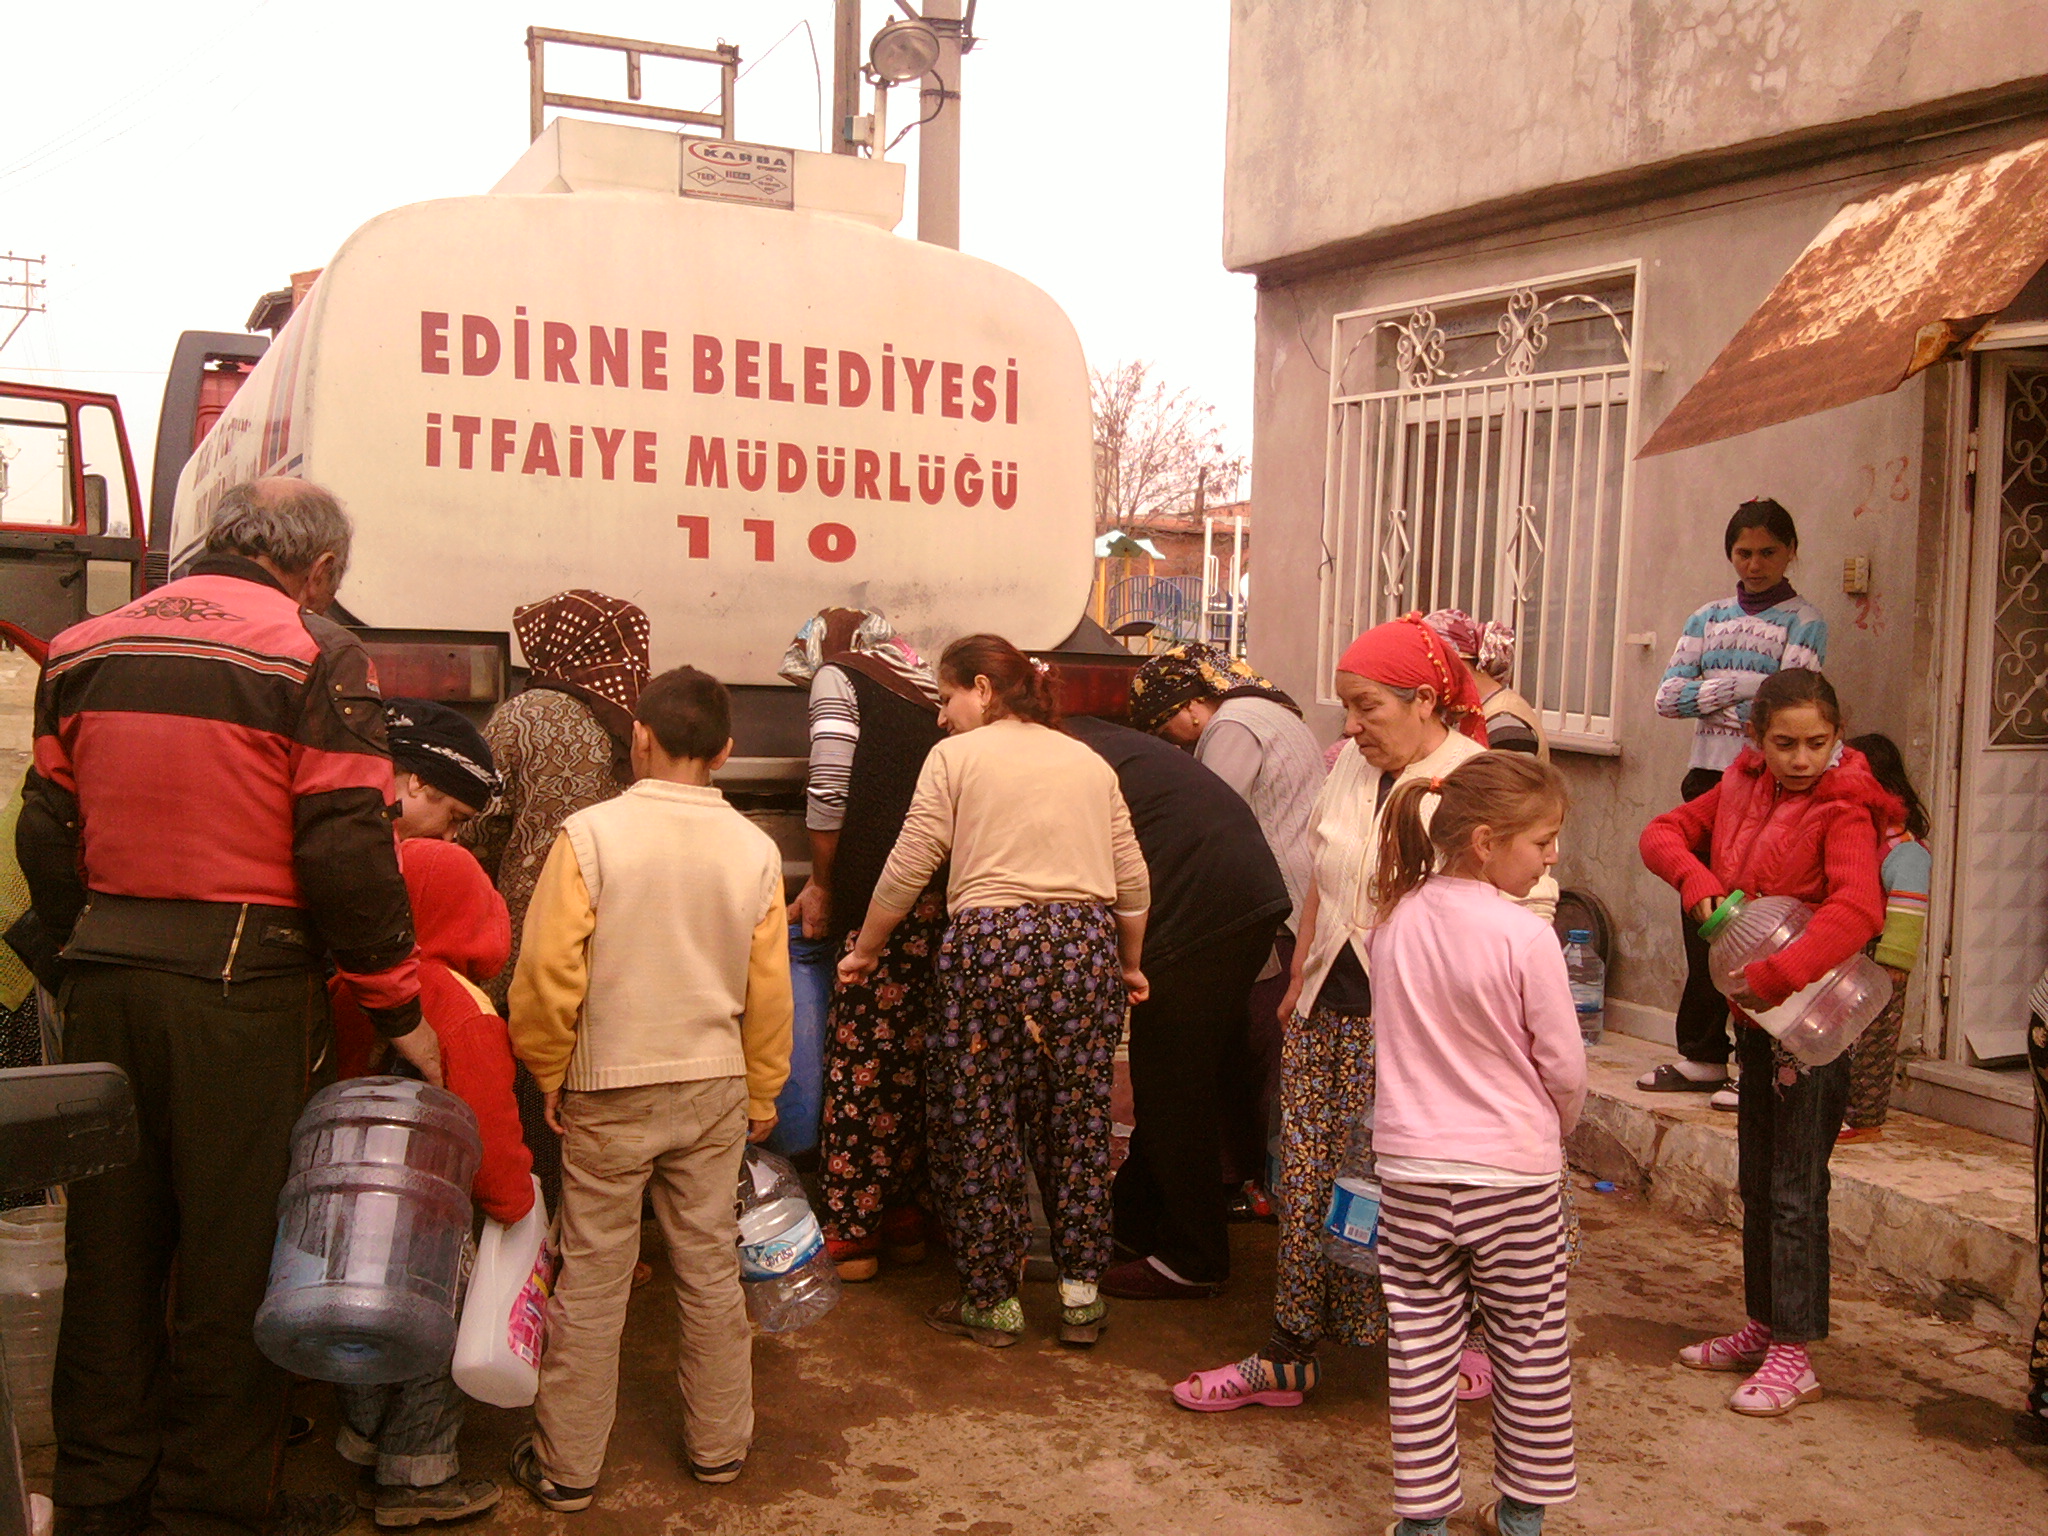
column 811, row 964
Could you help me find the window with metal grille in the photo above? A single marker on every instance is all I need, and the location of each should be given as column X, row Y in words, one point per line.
column 1479, row 458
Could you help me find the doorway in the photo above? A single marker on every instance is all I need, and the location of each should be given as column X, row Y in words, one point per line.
column 1997, row 928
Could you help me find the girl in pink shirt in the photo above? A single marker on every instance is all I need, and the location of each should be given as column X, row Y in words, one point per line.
column 1481, row 1075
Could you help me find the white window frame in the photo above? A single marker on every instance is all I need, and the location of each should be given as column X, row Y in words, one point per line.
column 1371, row 567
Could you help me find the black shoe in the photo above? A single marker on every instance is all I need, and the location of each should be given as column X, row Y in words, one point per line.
column 455, row 1499
column 724, row 1472
column 546, row 1491
column 313, row 1514
column 124, row 1517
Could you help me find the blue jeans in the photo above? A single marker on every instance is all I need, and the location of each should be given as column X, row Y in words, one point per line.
column 1785, row 1133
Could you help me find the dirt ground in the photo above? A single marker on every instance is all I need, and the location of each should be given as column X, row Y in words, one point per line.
column 872, row 1425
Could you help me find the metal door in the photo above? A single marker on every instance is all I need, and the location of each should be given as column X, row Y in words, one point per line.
column 1998, row 940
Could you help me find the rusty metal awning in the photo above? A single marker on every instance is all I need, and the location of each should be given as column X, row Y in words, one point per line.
column 1894, row 284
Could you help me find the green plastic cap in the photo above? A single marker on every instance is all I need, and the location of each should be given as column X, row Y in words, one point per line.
column 1720, row 917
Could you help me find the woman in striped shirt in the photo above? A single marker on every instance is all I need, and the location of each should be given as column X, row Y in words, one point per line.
column 1726, row 650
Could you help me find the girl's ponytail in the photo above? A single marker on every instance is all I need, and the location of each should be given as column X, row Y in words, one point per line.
column 1509, row 792
column 1407, row 856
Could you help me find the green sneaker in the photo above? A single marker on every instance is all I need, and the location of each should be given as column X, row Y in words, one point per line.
column 996, row 1327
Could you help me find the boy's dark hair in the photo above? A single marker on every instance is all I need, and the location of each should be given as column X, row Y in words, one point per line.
column 1793, row 686
column 1761, row 513
column 688, row 711
column 1889, row 769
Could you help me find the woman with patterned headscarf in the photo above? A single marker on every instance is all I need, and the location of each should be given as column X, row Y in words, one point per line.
column 874, row 713
column 1513, row 724
column 558, row 747
column 1249, row 734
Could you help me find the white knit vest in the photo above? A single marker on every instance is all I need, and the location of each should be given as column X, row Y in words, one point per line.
column 678, row 880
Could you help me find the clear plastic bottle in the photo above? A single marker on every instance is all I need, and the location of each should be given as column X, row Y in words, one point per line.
column 788, row 1276
column 1588, row 973
column 1351, row 1225
column 1821, row 1020
column 31, row 1306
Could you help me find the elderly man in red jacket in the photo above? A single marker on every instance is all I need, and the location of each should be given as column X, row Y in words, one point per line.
column 207, row 829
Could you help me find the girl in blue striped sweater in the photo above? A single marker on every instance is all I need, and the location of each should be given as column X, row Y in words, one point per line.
column 1724, row 653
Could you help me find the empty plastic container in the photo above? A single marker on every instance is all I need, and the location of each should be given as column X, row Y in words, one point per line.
column 1351, row 1225
column 1818, row 1022
column 505, row 1314
column 373, row 1224
column 31, row 1306
column 1587, row 973
column 789, row 1278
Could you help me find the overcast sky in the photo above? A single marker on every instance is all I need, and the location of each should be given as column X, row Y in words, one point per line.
column 175, row 161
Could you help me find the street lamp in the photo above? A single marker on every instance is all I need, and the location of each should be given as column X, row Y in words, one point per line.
column 901, row 52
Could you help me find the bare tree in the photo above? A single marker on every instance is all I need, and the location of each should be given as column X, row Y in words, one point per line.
column 1152, row 444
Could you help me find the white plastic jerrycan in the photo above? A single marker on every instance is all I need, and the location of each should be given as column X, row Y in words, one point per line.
column 505, row 1317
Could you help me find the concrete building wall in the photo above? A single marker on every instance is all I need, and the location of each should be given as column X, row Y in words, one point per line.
column 1857, row 479
column 1351, row 120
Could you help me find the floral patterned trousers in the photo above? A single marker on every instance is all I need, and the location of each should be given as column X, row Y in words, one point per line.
column 1326, row 1077
column 871, row 1154
column 1018, row 1062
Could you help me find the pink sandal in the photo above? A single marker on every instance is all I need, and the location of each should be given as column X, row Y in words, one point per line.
column 1476, row 1367
column 1243, row 1384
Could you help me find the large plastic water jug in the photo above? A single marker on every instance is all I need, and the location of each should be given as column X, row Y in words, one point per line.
column 505, row 1315
column 797, row 1107
column 31, row 1306
column 1818, row 1022
column 789, row 1278
column 372, row 1234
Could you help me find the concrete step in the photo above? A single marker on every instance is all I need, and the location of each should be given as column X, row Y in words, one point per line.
column 1935, row 1213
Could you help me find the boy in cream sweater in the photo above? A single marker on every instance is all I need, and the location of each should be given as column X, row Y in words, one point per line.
column 652, row 1005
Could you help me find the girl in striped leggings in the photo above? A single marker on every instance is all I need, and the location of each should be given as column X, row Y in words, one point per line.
column 1481, row 1075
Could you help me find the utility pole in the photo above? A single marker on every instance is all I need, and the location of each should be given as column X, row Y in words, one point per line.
column 21, row 289
column 938, row 140
column 845, row 73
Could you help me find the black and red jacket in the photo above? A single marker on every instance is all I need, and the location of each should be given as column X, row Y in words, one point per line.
column 210, row 794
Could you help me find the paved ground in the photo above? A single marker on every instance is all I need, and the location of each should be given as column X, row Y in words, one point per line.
column 870, row 1423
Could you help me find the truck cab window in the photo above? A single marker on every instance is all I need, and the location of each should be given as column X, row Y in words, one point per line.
column 108, row 510
column 35, row 465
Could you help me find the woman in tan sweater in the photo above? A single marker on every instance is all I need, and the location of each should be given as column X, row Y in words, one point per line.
column 1047, row 897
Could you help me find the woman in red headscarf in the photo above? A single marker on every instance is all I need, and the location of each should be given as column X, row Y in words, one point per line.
column 1411, row 711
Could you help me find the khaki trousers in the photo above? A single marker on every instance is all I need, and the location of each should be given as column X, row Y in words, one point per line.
column 687, row 1138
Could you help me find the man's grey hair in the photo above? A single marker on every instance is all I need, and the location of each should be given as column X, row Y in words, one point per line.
column 292, row 522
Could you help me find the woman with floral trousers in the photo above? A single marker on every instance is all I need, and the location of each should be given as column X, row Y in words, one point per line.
column 871, row 1166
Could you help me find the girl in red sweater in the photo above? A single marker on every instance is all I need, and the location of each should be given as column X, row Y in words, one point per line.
column 1797, row 814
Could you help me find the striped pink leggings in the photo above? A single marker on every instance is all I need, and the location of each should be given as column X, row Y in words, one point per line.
column 1443, row 1247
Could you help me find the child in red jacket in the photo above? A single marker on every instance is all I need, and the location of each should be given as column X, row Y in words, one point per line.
column 407, row 1432
column 1797, row 814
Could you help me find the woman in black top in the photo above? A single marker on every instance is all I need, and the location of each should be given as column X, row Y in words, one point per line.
column 873, row 717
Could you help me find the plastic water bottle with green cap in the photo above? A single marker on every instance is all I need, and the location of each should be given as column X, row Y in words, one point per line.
column 1822, row 1019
